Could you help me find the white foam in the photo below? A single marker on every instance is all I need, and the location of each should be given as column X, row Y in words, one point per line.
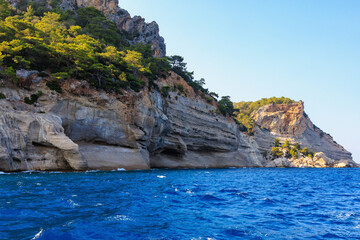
column 121, row 169
column 72, row 203
column 119, row 218
column 38, row 235
column 161, row 176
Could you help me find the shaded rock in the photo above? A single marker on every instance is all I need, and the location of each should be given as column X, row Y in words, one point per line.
column 26, row 78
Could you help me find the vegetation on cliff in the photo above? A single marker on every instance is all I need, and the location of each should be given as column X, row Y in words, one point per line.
column 289, row 150
column 244, row 111
column 85, row 45
column 81, row 45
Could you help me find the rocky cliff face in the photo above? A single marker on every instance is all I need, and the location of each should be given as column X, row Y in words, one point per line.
column 142, row 32
column 87, row 129
column 83, row 128
column 290, row 122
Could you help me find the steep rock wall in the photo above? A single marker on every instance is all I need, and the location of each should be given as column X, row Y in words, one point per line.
column 290, row 122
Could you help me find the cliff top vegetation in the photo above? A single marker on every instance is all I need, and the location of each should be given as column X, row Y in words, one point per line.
column 244, row 111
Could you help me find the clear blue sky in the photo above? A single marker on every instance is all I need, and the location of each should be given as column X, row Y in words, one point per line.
column 303, row 49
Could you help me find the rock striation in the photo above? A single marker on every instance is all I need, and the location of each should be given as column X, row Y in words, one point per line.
column 36, row 142
column 87, row 129
column 290, row 122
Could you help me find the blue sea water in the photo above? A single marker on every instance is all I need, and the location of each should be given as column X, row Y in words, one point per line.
column 182, row 204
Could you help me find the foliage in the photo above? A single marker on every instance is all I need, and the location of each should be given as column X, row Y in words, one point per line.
column 94, row 23
column 54, row 85
column 226, row 106
column 276, row 152
column 94, row 51
column 306, row 152
column 297, row 146
column 246, row 109
column 165, row 90
column 277, row 142
column 180, row 87
column 179, row 67
column 286, row 144
column 294, row 153
column 33, row 98
column 5, row 10
column 9, row 74
column 292, row 150
column 2, row 96
column 214, row 95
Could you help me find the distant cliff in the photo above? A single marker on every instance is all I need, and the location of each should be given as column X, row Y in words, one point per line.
column 135, row 112
column 290, row 122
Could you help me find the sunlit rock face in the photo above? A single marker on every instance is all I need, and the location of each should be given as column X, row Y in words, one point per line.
column 84, row 128
column 142, row 32
column 290, row 122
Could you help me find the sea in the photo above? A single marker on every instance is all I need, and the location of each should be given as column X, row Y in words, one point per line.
column 182, row 204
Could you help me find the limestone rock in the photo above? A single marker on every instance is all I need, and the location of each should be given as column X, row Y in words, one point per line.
column 280, row 162
column 290, row 122
column 36, row 142
column 26, row 78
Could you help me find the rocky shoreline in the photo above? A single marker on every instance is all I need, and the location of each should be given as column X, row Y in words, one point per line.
column 86, row 129
column 82, row 128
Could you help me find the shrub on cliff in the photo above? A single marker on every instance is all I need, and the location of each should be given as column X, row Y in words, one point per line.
column 33, row 98
column 308, row 153
column 276, row 152
column 294, row 153
column 226, row 106
column 54, row 85
column 91, row 52
column 246, row 109
column 277, row 142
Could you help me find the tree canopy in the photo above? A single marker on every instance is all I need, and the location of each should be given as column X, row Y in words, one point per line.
column 82, row 46
column 244, row 110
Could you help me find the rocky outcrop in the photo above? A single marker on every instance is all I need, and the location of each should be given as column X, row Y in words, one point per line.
column 131, row 131
column 290, row 122
column 141, row 31
column 32, row 141
column 320, row 160
column 83, row 128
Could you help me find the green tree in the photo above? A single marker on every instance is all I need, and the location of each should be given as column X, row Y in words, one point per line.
column 226, row 106
column 5, row 10
column 276, row 152
column 286, row 144
column 294, row 153
column 277, row 142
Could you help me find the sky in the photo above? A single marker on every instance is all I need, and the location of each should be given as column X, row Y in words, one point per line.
column 302, row 49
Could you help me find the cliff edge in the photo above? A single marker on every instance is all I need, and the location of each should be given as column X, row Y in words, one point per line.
column 74, row 96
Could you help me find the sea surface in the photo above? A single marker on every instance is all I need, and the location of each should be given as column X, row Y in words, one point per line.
column 182, row 204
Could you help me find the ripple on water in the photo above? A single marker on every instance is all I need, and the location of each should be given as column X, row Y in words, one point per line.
column 178, row 204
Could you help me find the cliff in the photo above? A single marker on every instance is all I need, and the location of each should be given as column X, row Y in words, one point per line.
column 83, row 128
column 124, row 115
column 290, row 122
